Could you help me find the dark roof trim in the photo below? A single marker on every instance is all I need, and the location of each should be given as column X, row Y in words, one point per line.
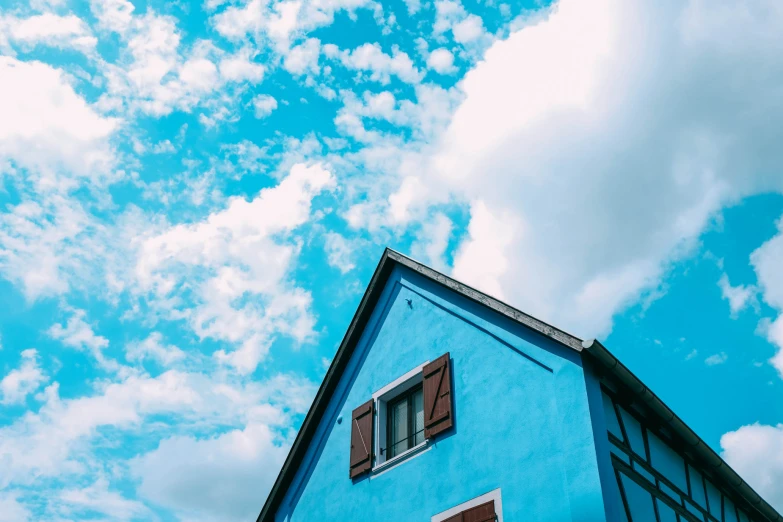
column 373, row 292
column 700, row 449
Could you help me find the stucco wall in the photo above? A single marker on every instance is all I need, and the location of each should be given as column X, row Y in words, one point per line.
column 522, row 420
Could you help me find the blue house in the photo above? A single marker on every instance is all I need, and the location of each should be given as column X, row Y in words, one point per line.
column 443, row 404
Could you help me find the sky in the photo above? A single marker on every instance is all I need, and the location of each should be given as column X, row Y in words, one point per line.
column 193, row 197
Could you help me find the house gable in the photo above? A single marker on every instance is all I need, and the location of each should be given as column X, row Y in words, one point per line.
column 519, row 397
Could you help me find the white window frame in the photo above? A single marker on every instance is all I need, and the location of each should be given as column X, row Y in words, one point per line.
column 482, row 499
column 381, row 397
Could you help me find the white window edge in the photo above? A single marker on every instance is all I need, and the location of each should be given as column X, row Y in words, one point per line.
column 400, row 380
column 486, row 497
column 379, row 399
column 405, row 455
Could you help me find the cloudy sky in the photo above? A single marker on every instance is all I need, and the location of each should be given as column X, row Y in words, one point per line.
column 194, row 195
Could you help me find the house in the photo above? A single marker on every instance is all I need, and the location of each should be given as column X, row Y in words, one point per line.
column 443, row 404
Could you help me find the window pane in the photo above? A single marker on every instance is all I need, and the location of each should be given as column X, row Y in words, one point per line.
column 667, row 462
column 634, row 431
column 399, row 428
column 713, row 497
column 640, row 502
column 697, row 487
column 665, row 513
column 611, row 418
column 418, row 417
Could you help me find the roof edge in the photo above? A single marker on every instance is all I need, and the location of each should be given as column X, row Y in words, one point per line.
column 716, row 464
column 595, row 349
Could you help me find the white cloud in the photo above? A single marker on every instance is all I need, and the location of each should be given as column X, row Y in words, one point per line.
column 97, row 498
column 59, row 440
column 11, row 510
column 264, row 104
column 468, row 30
column 766, row 262
column 234, row 267
column 240, row 67
column 46, row 126
column 380, row 66
column 303, row 58
column 441, row 61
column 157, row 74
column 78, row 334
column 739, row 296
column 556, row 117
column 48, row 29
column 339, row 252
column 113, row 15
column 153, row 347
column 716, row 359
column 281, row 21
column 756, row 453
column 433, row 240
column 217, row 479
column 21, row 382
column 54, row 244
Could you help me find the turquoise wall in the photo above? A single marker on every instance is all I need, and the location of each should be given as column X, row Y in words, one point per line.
column 522, row 419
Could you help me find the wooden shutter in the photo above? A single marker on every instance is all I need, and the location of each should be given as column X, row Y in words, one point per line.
column 362, row 438
column 481, row 513
column 438, row 410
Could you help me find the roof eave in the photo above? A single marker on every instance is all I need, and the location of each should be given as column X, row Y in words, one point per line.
column 700, row 448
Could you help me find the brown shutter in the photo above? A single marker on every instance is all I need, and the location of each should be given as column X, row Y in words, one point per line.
column 481, row 513
column 361, row 439
column 438, row 415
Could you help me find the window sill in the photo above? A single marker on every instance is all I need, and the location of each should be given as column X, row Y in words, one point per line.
column 402, row 456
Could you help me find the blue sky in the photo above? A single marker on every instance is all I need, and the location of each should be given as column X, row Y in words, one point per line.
column 193, row 197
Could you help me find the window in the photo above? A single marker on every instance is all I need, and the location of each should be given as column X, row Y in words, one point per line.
column 402, row 417
column 485, row 508
column 405, row 423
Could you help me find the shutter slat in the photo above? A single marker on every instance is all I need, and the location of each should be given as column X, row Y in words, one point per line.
column 361, row 439
column 481, row 513
column 438, row 401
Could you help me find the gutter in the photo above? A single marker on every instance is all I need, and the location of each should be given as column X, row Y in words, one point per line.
column 706, row 454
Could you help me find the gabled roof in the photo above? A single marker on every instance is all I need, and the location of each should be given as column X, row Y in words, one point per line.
column 591, row 348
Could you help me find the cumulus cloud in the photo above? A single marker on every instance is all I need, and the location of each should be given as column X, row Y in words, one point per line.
column 441, row 61
column 11, row 510
column 47, row 127
column 154, row 348
column 218, row 479
column 59, row 439
column 756, row 453
column 380, row 67
column 98, row 498
column 339, row 252
column 234, row 267
column 221, row 477
column 600, row 152
column 77, row 333
column 22, row 381
column 738, row 296
column 264, row 105
column 433, row 240
column 47, row 29
column 280, row 22
column 766, row 261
